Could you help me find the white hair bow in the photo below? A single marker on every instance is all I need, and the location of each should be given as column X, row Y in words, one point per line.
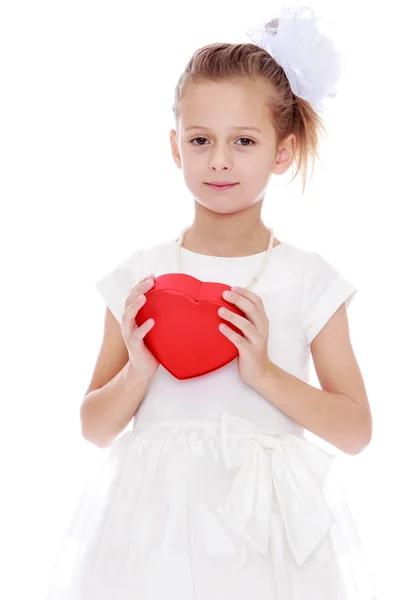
column 307, row 55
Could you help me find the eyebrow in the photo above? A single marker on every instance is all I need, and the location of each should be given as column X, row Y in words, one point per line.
column 238, row 127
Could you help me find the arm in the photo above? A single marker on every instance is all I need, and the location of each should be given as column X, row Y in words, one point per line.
column 339, row 412
column 105, row 412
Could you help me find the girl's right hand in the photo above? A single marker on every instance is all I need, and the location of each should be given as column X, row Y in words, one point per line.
column 140, row 357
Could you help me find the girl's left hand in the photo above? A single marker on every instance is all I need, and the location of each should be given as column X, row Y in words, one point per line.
column 253, row 361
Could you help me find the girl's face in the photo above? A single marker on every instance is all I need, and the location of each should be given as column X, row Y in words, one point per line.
column 224, row 133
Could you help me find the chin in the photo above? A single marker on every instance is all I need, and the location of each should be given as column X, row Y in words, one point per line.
column 223, row 206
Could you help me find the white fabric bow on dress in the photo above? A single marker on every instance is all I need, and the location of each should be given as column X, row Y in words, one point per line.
column 294, row 467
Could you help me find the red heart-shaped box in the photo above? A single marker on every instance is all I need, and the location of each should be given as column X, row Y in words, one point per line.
column 185, row 337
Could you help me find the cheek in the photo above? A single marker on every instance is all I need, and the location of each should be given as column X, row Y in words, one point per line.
column 254, row 167
column 193, row 166
column 193, row 171
column 189, row 158
column 193, row 175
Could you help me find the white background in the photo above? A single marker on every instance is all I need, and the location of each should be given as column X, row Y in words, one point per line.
column 87, row 177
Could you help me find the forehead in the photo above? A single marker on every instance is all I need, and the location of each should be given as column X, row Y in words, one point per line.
column 219, row 105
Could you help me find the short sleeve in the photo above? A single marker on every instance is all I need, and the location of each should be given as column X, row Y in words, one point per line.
column 115, row 286
column 324, row 290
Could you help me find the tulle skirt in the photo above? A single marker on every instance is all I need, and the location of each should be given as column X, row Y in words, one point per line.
column 192, row 510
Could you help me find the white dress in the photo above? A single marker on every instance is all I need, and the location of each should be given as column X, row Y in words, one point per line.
column 212, row 493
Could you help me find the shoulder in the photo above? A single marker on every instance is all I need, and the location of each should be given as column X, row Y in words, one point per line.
column 292, row 253
column 117, row 282
column 157, row 250
column 307, row 262
column 142, row 259
column 313, row 272
column 157, row 258
column 290, row 262
column 325, row 287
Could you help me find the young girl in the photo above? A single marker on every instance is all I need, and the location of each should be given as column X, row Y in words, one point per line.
column 215, row 493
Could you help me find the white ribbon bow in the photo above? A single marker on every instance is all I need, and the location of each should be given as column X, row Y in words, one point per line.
column 294, row 467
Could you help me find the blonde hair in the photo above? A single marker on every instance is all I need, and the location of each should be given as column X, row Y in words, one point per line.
column 290, row 114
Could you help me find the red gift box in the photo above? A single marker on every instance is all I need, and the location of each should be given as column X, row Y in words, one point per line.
column 185, row 337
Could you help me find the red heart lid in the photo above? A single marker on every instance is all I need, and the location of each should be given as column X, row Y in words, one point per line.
column 185, row 337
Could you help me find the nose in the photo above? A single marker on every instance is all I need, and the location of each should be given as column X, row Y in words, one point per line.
column 220, row 158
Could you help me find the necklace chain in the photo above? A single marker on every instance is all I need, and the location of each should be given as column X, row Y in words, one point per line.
column 256, row 276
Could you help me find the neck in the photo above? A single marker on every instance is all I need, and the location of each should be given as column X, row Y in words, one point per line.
column 221, row 240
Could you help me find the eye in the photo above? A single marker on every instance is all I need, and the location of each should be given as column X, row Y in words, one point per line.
column 195, row 139
column 252, row 143
column 249, row 140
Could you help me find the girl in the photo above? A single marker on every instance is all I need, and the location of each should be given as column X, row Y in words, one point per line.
column 215, row 493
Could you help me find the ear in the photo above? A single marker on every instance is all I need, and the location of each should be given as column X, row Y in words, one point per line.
column 174, row 148
column 285, row 155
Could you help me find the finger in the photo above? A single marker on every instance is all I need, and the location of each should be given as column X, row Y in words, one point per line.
column 248, row 307
column 240, row 322
column 140, row 288
column 132, row 309
column 136, row 305
column 251, row 296
column 141, row 331
column 151, row 276
column 234, row 337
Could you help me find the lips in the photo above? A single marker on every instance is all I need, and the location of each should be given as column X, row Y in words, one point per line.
column 221, row 186
column 221, row 182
